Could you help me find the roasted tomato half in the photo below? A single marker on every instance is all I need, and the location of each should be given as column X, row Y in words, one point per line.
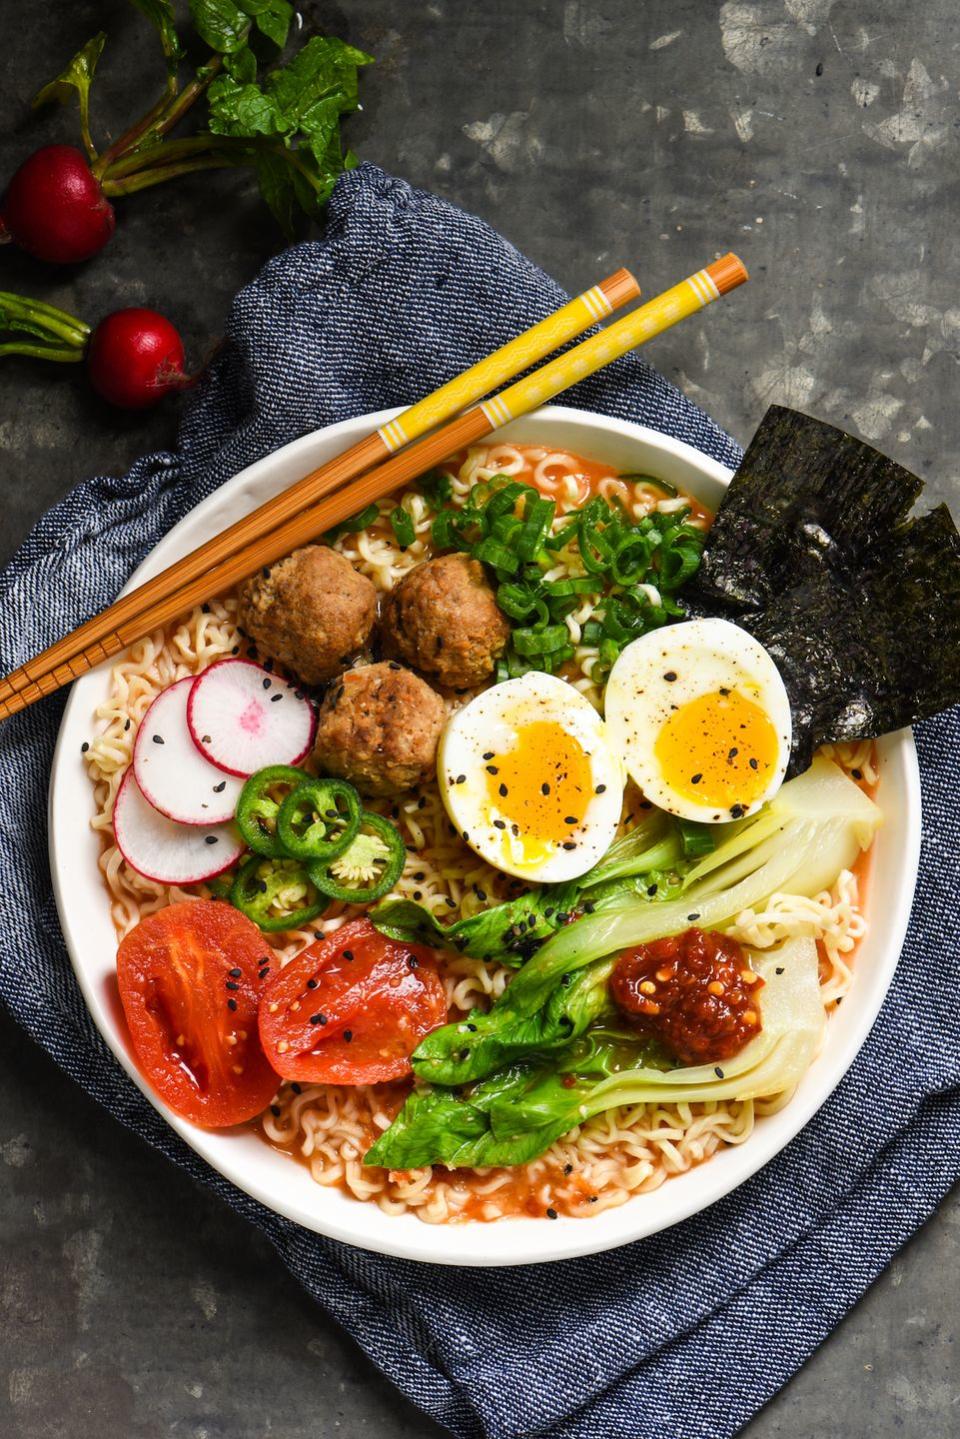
column 190, row 982
column 352, row 1008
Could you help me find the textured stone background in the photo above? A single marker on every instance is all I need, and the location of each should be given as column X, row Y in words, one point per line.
column 818, row 139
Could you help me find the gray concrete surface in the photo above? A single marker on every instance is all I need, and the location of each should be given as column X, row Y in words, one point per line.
column 819, row 140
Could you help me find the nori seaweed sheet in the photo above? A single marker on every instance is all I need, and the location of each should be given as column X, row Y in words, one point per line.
column 813, row 551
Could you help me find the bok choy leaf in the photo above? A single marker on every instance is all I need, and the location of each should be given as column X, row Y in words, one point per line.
column 511, row 932
column 517, row 1113
column 815, row 827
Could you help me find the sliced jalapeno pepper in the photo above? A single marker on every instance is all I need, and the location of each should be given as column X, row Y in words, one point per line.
column 276, row 894
column 368, row 869
column 258, row 807
column 319, row 820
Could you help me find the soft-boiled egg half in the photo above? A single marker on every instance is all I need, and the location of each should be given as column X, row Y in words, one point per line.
column 701, row 716
column 529, row 779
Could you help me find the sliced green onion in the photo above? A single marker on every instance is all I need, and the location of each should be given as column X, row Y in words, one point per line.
column 361, row 521
column 663, row 485
column 497, row 555
column 403, row 527
column 541, row 641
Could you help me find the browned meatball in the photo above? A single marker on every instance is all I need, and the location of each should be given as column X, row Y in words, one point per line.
column 443, row 618
column 378, row 727
column 311, row 612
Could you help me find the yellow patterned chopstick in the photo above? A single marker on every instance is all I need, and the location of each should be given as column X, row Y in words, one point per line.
column 98, row 635
column 513, row 358
column 300, row 528
column 640, row 325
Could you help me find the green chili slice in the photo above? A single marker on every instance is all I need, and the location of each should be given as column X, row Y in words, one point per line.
column 258, row 807
column 319, row 820
column 277, row 894
column 368, row 869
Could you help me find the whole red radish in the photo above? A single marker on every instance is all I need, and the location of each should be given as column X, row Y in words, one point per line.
column 54, row 207
column 134, row 358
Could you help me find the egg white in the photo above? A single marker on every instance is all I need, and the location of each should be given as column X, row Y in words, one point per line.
column 492, row 722
column 660, row 672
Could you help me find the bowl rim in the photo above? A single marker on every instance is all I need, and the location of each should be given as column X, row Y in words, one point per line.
column 364, row 1225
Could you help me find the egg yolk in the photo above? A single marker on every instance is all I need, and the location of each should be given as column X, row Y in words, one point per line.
column 541, row 789
column 718, row 749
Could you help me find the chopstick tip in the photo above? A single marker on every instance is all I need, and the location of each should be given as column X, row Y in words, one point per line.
column 728, row 272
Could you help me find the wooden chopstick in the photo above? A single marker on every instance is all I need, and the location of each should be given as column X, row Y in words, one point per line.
column 480, row 379
column 659, row 314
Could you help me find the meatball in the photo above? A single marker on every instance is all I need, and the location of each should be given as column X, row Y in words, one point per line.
column 378, row 727
column 310, row 612
column 443, row 618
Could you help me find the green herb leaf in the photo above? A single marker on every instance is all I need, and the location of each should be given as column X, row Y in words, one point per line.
column 299, row 105
column 161, row 17
column 271, row 17
column 78, row 76
column 222, row 24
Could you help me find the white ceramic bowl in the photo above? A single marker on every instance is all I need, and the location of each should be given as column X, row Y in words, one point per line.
column 285, row 1186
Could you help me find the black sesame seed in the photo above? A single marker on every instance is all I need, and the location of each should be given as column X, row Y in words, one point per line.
column 492, row 769
column 412, row 961
column 670, row 676
column 489, row 754
column 158, row 739
column 857, row 773
column 779, row 969
column 600, row 789
column 230, row 985
column 466, row 836
column 753, row 764
column 569, row 844
column 235, row 973
column 318, row 1019
column 544, row 789
column 274, row 698
column 231, row 1004
column 127, row 726
column 499, row 824
column 571, row 819
column 348, row 955
column 84, row 747
column 552, row 1214
column 267, row 683
column 695, row 915
column 696, row 778
column 263, row 973
column 651, row 890
column 348, row 1035
column 205, row 739
column 275, row 1110
column 297, row 1088
column 460, row 779
column 568, row 1169
column 204, row 609
column 503, row 791
column 312, row 983
column 480, row 893
column 210, row 839
column 718, row 1071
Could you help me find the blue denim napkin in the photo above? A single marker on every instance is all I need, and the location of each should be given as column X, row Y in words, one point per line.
column 688, row 1333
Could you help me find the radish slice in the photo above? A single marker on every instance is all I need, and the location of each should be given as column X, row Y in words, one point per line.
column 164, row 851
column 172, row 773
column 243, row 718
